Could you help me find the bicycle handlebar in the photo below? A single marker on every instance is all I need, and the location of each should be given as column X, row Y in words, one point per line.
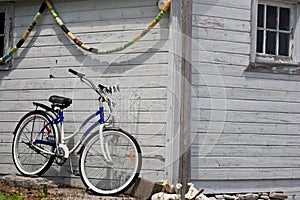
column 101, row 90
column 73, row 72
column 80, row 75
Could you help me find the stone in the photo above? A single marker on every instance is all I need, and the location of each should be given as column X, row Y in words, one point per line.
column 220, row 196
column 165, row 196
column 144, row 189
column 169, row 187
column 240, row 197
column 250, row 196
column 229, row 197
column 202, row 197
column 265, row 197
column 191, row 193
column 277, row 195
column 28, row 182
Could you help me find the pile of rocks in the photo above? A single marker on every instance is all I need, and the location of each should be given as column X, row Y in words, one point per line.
column 27, row 182
column 250, row 196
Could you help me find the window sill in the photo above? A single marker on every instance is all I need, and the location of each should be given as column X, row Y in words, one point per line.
column 274, row 68
column 273, row 71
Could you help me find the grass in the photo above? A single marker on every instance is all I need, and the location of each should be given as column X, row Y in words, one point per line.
column 14, row 196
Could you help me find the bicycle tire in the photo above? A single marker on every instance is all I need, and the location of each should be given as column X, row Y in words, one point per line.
column 110, row 178
column 28, row 160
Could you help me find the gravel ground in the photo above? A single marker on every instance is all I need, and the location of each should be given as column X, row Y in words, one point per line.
column 27, row 188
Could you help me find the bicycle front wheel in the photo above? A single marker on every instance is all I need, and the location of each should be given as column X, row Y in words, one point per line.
column 111, row 167
column 33, row 141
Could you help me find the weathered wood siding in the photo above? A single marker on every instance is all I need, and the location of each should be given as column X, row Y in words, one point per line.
column 245, row 127
column 141, row 71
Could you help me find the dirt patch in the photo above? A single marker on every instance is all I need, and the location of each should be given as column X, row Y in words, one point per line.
column 27, row 189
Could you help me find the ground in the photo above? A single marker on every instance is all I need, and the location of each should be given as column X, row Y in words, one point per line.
column 62, row 192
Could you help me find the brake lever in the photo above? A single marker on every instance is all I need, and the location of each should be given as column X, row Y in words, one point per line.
column 109, row 90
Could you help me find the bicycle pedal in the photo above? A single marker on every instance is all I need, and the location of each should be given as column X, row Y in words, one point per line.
column 76, row 173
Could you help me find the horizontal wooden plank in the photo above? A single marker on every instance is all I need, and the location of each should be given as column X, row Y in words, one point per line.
column 8, row 169
column 220, row 46
column 247, row 128
column 91, row 60
column 135, row 105
column 133, row 82
column 148, row 163
column 79, row 117
column 246, row 139
column 289, row 186
column 83, row 94
column 154, row 152
column 218, row 69
column 220, row 35
column 219, row 58
column 24, row 8
column 220, row 23
column 139, row 130
column 245, row 105
column 92, row 15
column 221, row 11
column 245, row 93
column 70, row 49
column 99, row 37
column 248, row 174
column 65, row 176
column 123, row 117
column 244, row 82
column 226, row 3
column 117, row 26
column 245, row 151
column 244, row 162
column 239, row 116
column 99, row 72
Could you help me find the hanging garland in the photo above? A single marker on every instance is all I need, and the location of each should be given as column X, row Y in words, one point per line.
column 36, row 19
column 59, row 21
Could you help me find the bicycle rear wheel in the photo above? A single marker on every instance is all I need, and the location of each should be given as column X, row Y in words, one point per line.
column 114, row 172
column 34, row 136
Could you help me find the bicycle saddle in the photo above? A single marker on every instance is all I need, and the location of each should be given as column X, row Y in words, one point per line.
column 61, row 102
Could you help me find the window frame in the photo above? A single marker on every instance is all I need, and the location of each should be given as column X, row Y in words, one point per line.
column 275, row 63
column 277, row 31
column 8, row 9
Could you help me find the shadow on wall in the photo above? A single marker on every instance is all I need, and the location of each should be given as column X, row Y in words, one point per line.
column 132, row 58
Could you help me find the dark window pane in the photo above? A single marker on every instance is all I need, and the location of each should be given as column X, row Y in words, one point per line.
column 1, row 46
column 2, row 22
column 284, row 44
column 284, row 19
column 271, row 17
column 260, row 16
column 271, row 43
column 259, row 42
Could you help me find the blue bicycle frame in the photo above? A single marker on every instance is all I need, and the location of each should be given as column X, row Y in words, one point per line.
column 60, row 119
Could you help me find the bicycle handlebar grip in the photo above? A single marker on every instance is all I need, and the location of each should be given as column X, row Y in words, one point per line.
column 73, row 72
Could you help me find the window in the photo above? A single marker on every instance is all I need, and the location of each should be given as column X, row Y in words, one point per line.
column 275, row 37
column 273, row 30
column 6, row 26
column 2, row 23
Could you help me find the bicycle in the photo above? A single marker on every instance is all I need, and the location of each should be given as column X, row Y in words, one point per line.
column 110, row 158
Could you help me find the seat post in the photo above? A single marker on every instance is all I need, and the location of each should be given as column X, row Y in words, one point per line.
column 62, row 130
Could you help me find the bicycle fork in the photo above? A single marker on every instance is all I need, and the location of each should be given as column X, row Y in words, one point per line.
column 104, row 147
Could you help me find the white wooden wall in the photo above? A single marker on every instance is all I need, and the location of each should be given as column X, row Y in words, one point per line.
column 141, row 71
column 246, row 128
